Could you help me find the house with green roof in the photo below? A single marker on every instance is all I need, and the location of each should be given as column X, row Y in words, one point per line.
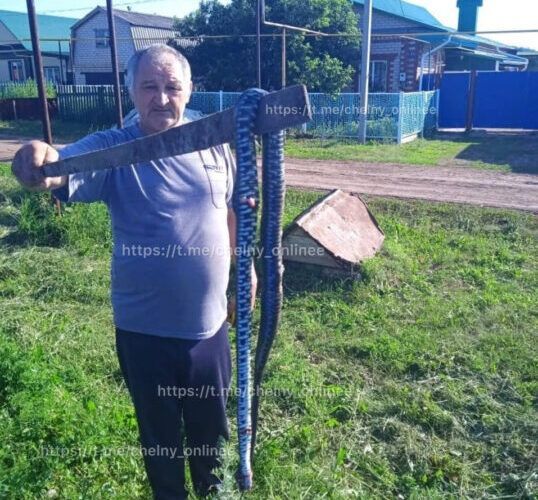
column 411, row 49
column 16, row 54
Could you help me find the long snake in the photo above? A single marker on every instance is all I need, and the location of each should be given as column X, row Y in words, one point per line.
column 272, row 269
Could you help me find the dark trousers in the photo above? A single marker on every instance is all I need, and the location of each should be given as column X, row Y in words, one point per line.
column 170, row 380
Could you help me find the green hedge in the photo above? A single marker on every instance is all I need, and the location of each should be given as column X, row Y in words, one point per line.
column 13, row 90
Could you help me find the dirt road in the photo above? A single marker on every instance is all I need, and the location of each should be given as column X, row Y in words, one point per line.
column 8, row 147
column 10, row 144
column 450, row 184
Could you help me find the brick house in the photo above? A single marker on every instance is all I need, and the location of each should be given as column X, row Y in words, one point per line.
column 16, row 55
column 398, row 63
column 90, row 49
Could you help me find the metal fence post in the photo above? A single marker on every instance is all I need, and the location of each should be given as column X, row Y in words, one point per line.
column 220, row 100
column 304, row 125
column 400, row 117
column 423, row 115
column 437, row 101
column 470, row 101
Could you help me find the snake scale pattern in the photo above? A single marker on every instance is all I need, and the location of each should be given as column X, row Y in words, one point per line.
column 271, row 263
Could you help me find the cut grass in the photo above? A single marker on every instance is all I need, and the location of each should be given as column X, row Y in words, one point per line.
column 503, row 152
column 420, row 380
column 418, row 152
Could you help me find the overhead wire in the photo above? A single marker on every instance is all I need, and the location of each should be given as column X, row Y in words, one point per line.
column 271, row 35
column 90, row 7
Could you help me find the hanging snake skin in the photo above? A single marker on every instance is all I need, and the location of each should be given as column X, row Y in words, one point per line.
column 272, row 269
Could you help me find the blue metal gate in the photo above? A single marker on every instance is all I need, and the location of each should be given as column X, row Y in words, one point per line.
column 453, row 100
column 502, row 100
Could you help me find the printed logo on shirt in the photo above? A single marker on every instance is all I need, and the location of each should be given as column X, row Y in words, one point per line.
column 215, row 168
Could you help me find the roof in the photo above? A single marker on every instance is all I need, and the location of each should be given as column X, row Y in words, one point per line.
column 406, row 10
column 148, row 20
column 419, row 14
column 133, row 18
column 48, row 26
column 502, row 57
column 480, row 47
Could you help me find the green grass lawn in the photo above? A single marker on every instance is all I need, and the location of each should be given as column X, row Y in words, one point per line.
column 418, row 152
column 516, row 153
column 419, row 380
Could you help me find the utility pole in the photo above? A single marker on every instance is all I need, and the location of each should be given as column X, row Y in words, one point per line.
column 365, row 68
column 114, row 59
column 40, row 78
column 258, row 44
column 283, row 63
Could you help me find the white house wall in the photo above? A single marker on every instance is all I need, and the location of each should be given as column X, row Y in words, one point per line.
column 89, row 58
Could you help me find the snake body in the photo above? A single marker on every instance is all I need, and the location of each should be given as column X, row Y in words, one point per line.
column 271, row 295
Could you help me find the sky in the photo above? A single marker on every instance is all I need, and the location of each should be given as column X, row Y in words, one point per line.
column 493, row 15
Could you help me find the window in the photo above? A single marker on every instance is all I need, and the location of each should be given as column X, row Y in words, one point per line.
column 52, row 73
column 16, row 70
column 101, row 38
column 378, row 76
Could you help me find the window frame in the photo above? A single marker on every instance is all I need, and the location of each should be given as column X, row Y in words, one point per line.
column 23, row 71
column 57, row 73
column 373, row 73
column 102, row 38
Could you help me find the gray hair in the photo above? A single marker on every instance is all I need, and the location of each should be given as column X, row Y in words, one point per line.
column 154, row 52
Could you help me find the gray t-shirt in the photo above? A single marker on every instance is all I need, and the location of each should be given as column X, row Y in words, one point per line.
column 171, row 255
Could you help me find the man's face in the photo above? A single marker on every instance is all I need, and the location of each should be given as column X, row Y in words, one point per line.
column 161, row 92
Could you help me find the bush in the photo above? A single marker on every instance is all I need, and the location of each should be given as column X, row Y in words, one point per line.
column 14, row 90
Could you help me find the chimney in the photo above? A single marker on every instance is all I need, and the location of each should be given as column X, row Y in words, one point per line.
column 468, row 14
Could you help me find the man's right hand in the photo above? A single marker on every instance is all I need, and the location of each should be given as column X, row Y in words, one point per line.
column 27, row 163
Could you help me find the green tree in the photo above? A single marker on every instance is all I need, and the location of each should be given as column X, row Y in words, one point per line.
column 323, row 64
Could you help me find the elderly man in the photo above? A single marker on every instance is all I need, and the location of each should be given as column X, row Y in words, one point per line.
column 172, row 224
